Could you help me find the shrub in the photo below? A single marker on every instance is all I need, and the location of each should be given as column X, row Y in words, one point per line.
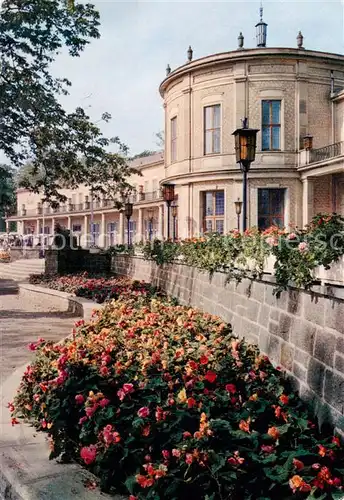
column 5, row 256
column 163, row 402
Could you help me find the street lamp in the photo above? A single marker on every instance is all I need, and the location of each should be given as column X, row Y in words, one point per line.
column 238, row 207
column 174, row 215
column 128, row 212
column 245, row 149
column 150, row 220
column 168, row 195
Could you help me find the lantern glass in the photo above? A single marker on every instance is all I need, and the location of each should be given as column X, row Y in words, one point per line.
column 168, row 192
column 245, row 144
column 174, row 210
column 238, row 206
column 128, row 209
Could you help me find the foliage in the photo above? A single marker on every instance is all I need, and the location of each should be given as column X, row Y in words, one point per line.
column 162, row 252
column 143, row 154
column 62, row 149
column 164, row 402
column 7, row 190
column 113, row 250
column 240, row 255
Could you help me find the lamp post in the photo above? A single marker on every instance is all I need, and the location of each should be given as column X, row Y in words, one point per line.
column 238, row 207
column 150, row 220
column 43, row 233
column 168, row 195
column 128, row 212
column 245, row 149
column 174, row 215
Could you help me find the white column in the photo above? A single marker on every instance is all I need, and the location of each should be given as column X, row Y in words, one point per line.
column 37, row 227
column 102, row 236
column 69, row 222
column 160, row 234
column 85, row 233
column 121, row 229
column 139, row 235
column 307, row 200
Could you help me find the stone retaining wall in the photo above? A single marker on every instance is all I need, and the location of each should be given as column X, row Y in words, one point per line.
column 302, row 332
column 18, row 253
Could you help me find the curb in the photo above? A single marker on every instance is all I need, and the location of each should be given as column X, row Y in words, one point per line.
column 25, row 470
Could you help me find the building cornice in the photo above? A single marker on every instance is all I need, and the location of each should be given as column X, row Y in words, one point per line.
column 248, row 55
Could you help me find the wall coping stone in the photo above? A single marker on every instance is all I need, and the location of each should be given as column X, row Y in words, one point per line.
column 26, row 473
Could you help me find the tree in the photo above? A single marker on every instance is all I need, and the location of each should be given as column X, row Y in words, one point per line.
column 63, row 150
column 144, row 154
column 7, row 193
column 160, row 142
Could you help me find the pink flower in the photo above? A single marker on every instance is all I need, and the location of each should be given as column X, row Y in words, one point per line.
column 82, row 420
column 79, row 399
column 32, row 346
column 143, row 412
column 104, row 370
column 128, row 388
column 188, row 458
column 36, row 398
column 88, row 454
column 267, row 448
column 121, row 394
column 90, row 410
column 165, row 454
column 176, row 453
column 291, row 236
column 303, row 247
column 271, row 241
column 104, row 402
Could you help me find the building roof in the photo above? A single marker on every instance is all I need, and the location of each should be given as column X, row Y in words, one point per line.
column 247, row 54
column 147, row 161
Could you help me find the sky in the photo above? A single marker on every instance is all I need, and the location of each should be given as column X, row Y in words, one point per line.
column 120, row 73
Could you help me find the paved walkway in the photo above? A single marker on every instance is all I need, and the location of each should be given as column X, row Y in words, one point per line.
column 23, row 321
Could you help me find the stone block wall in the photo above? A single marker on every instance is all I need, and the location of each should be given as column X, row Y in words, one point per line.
column 301, row 332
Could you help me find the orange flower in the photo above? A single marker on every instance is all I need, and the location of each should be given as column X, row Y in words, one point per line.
column 284, row 399
column 295, row 482
column 274, row 432
column 245, row 425
column 322, row 450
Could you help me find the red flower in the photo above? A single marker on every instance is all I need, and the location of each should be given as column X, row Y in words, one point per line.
column 210, row 377
column 193, row 365
column 230, row 388
column 144, row 481
column 336, row 441
column 204, row 360
column 88, row 454
column 79, row 399
column 143, row 412
column 191, row 402
column 104, row 402
column 298, row 464
column 186, row 435
column 188, row 458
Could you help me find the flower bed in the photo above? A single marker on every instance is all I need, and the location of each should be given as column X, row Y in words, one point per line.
column 5, row 256
column 297, row 252
column 163, row 402
column 98, row 289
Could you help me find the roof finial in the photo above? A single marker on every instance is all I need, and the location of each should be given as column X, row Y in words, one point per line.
column 261, row 29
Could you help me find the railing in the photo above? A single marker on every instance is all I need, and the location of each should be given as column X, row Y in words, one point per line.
column 326, row 152
column 86, row 206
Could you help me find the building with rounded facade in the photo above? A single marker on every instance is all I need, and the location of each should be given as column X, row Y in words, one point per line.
column 286, row 93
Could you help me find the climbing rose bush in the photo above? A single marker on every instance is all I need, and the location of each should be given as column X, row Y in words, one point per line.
column 164, row 402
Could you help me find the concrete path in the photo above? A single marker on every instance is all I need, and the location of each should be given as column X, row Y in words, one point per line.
column 23, row 321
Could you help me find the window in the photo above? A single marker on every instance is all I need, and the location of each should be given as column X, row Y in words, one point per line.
column 132, row 231
column 212, row 129
column 271, row 125
column 174, row 139
column 155, row 188
column 112, row 233
column 76, row 228
column 270, row 208
column 95, row 232
column 214, row 211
